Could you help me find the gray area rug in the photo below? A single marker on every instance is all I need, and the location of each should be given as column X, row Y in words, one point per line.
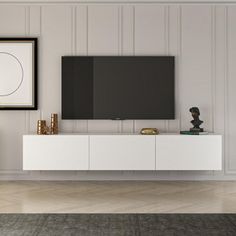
column 118, row 224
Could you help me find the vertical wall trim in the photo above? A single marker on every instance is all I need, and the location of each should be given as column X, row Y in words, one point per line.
column 122, row 28
column 118, row 30
column 134, row 22
column 73, row 48
column 40, row 20
column 75, row 28
column 180, row 52
column 167, row 29
column 87, row 28
column 40, row 60
column 27, row 20
column 87, row 49
column 122, row 52
column 213, row 66
column 213, row 69
column 167, row 44
column 72, row 29
column 76, row 123
column 27, row 33
column 120, row 39
column 226, row 95
column 134, row 49
column 118, row 51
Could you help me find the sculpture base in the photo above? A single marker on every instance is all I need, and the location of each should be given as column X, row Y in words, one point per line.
column 196, row 130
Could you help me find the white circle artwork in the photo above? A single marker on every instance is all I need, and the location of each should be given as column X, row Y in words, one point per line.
column 11, row 74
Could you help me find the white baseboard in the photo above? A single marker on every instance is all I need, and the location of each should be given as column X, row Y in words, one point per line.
column 115, row 175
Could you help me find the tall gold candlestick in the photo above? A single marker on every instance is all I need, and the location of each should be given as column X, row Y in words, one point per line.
column 54, row 124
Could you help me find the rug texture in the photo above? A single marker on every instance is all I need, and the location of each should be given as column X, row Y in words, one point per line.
column 118, row 224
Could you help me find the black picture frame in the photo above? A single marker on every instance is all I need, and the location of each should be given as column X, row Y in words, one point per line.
column 34, row 63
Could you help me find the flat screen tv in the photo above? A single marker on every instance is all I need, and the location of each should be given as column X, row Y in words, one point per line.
column 118, row 87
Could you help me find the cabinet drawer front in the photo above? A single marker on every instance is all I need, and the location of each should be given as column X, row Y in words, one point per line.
column 124, row 152
column 189, row 152
column 56, row 152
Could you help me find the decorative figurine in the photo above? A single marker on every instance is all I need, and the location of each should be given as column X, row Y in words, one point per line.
column 196, row 121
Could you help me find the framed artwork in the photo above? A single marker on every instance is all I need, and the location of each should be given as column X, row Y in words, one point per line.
column 18, row 73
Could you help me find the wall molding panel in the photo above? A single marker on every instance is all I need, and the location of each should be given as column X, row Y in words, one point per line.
column 123, row 2
column 202, row 37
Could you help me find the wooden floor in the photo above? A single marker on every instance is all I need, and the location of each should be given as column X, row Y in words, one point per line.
column 117, row 197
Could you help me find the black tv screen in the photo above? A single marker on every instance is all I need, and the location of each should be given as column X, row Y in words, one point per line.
column 118, row 87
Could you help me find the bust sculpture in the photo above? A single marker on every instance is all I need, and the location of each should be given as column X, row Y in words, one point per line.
column 196, row 121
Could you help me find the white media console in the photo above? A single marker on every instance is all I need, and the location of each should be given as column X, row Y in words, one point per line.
column 122, row 152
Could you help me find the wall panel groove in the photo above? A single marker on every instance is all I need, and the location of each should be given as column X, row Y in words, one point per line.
column 225, row 88
column 226, row 98
column 134, row 52
column 180, row 44
column 73, row 47
column 27, row 33
column 87, row 50
column 167, row 46
column 213, row 65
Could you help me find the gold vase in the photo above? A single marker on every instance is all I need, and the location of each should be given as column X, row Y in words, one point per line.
column 41, row 127
column 54, row 124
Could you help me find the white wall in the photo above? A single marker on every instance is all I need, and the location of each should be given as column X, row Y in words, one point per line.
column 201, row 36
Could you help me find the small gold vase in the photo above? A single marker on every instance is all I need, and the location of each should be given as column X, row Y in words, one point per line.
column 41, row 127
column 54, row 124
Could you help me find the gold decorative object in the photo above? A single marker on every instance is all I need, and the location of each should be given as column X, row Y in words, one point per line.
column 42, row 127
column 54, row 124
column 149, row 131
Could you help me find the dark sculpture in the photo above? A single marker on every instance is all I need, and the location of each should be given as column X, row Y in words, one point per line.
column 196, row 122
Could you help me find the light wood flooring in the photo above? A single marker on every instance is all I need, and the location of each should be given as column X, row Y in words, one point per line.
column 117, row 197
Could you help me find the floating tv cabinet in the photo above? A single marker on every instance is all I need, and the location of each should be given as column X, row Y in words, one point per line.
column 122, row 152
